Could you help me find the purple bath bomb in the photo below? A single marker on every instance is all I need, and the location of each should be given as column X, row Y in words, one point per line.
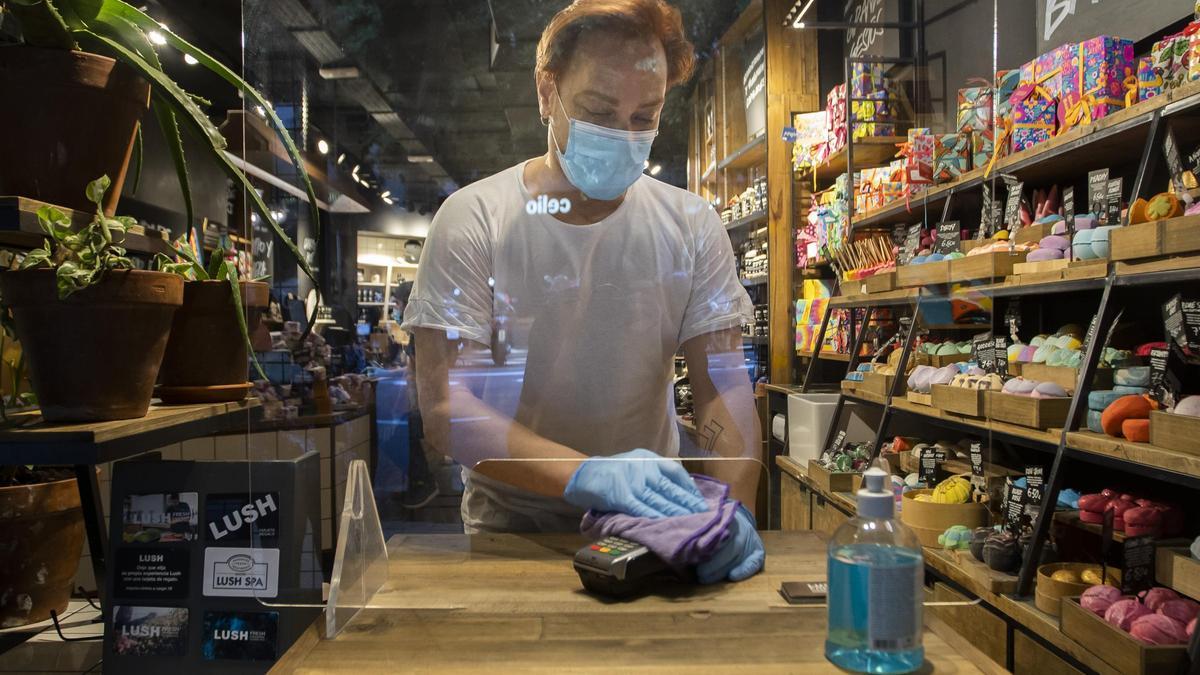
column 1049, row 390
column 1044, row 254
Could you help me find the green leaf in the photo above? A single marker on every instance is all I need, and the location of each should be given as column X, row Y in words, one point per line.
column 96, row 189
column 137, row 162
column 36, row 258
column 230, row 275
column 56, row 223
column 41, row 24
column 170, row 128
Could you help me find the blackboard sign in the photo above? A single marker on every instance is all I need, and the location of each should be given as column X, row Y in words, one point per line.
column 977, row 476
column 1098, row 194
column 912, row 244
column 931, row 459
column 949, row 237
column 1035, row 481
column 987, row 219
column 262, row 248
column 1138, row 574
column 1000, row 356
column 1012, row 206
column 1014, row 509
column 1181, row 319
column 1158, row 376
column 1061, row 21
column 1069, row 207
column 1174, row 161
column 983, row 352
column 1113, row 201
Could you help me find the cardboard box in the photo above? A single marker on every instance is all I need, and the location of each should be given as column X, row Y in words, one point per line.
column 833, row 481
column 975, row 110
column 1025, row 411
column 958, row 400
column 983, row 147
column 1175, row 432
column 1035, row 118
column 929, row 520
column 1116, row 647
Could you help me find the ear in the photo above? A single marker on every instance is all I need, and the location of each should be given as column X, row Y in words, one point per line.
column 545, row 91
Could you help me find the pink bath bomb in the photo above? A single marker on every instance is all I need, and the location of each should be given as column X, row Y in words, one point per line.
column 1156, row 629
column 1122, row 613
column 1182, row 610
column 1155, row 597
column 1097, row 599
column 1055, row 241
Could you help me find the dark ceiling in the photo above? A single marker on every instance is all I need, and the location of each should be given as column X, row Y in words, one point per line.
column 436, row 78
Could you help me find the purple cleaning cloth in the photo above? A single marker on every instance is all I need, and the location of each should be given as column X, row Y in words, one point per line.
column 681, row 541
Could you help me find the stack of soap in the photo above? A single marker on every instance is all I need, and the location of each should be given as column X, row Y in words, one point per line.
column 1097, row 402
column 1057, row 245
column 1128, row 417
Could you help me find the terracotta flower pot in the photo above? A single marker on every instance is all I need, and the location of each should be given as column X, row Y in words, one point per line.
column 41, row 526
column 207, row 359
column 77, row 123
column 95, row 355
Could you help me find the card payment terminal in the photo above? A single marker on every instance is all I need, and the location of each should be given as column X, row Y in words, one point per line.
column 617, row 567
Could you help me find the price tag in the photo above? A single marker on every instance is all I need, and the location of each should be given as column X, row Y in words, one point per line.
column 1113, row 201
column 912, row 244
column 1012, row 206
column 978, row 479
column 985, row 213
column 983, row 352
column 1035, row 482
column 790, row 134
column 1174, row 161
column 1193, row 161
column 1069, row 207
column 838, row 442
column 949, row 236
column 930, row 461
column 1181, row 319
column 1014, row 509
column 1098, row 194
column 1138, row 574
column 1000, row 356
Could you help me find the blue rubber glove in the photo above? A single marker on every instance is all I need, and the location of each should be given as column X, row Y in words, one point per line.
column 740, row 558
column 638, row 483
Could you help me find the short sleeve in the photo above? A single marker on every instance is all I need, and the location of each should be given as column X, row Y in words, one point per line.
column 718, row 300
column 452, row 292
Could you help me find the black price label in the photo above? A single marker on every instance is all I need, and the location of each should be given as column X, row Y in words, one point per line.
column 1113, row 201
column 1098, row 194
column 1000, row 356
column 1014, row 509
column 838, row 442
column 985, row 212
column 930, row 461
column 983, row 352
column 1158, row 373
column 1193, row 161
column 1012, row 206
column 1069, row 207
column 977, row 476
column 1138, row 574
column 912, row 244
column 1035, row 483
column 1181, row 319
column 1174, row 162
column 949, row 236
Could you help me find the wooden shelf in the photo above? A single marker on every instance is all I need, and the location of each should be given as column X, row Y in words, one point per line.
column 370, row 304
column 752, row 219
column 1134, row 453
column 756, row 339
column 19, row 227
column 869, row 153
column 751, row 154
column 962, row 568
column 825, row 356
column 1044, row 438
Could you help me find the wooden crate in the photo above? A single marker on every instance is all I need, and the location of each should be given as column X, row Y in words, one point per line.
column 985, row 266
column 928, row 520
column 832, row 481
column 1031, row 658
column 1036, row 413
column 926, row 274
column 1162, row 237
column 1049, row 591
column 1181, row 235
column 1175, row 568
column 879, row 282
column 919, row 399
column 879, row 385
column 1041, row 267
column 1175, row 432
column 850, row 386
column 958, row 400
column 826, row 517
column 1032, row 234
column 1116, row 647
column 1063, row 376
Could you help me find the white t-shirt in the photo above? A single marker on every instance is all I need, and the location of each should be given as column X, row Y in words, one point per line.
column 594, row 313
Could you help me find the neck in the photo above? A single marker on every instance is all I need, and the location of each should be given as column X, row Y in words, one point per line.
column 544, row 176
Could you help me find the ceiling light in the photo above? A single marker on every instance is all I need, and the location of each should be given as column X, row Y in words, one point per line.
column 645, row 165
column 323, row 146
column 386, row 194
column 798, row 22
column 190, row 60
column 656, row 170
column 341, row 158
column 388, row 201
column 339, row 73
column 421, row 159
column 354, row 171
column 157, row 38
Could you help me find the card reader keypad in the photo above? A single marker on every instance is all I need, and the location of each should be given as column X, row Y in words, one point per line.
column 614, row 546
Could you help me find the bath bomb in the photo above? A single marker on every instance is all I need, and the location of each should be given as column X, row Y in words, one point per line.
column 1129, row 391
column 1059, row 357
column 918, row 260
column 1122, row 613
column 1068, row 341
column 911, row 382
column 954, row 255
column 1070, row 329
column 1044, row 352
column 1189, row 406
column 960, row 380
column 1155, row 597
column 1049, row 390
column 1093, row 422
column 1100, row 241
column 1027, row 354
column 973, row 370
column 1083, row 236
column 944, row 375
column 947, row 349
column 1156, row 629
column 1002, row 552
column 1074, row 359
column 1182, row 610
column 1098, row 599
column 1101, row 398
column 935, row 257
column 1020, row 386
column 1044, row 254
column 1014, row 351
column 1059, row 228
column 1136, row 376
column 1038, row 340
column 964, row 348
column 1056, row 242
column 1086, row 221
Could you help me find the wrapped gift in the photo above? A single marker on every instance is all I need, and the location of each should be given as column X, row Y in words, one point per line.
column 835, row 118
column 867, row 81
column 1047, row 70
column 983, row 145
column 1035, row 117
column 974, row 109
column 1150, row 82
column 1098, row 79
column 1172, row 59
column 918, row 157
column 1193, row 57
column 951, row 156
column 1006, row 84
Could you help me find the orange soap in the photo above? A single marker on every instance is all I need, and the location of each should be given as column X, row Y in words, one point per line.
column 1136, row 430
column 1130, row 407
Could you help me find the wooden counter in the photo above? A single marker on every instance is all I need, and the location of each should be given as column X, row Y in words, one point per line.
column 512, row 602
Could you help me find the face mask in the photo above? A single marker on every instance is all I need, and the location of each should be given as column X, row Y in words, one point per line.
column 600, row 162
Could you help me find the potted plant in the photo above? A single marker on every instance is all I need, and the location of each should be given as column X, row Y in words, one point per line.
column 41, row 525
column 59, row 148
column 209, row 349
column 93, row 330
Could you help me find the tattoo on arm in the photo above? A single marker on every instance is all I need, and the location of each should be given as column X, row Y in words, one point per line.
column 711, row 434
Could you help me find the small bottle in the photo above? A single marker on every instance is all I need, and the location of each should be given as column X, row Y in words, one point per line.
column 876, row 572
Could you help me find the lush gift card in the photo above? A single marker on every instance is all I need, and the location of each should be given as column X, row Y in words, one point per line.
column 245, row 636
column 237, row 517
column 160, row 517
column 149, row 631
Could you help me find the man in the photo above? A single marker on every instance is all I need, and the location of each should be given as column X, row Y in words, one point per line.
column 600, row 274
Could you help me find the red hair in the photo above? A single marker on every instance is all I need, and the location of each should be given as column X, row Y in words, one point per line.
column 633, row 18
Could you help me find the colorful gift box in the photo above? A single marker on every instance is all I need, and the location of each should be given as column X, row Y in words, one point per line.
column 1047, row 70
column 1150, row 82
column 1098, row 79
column 974, row 109
column 951, row 156
column 1006, row 83
column 918, row 157
column 983, row 145
column 1172, row 56
column 867, row 81
column 1035, row 117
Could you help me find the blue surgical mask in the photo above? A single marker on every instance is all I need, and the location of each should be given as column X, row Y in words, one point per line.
column 600, row 162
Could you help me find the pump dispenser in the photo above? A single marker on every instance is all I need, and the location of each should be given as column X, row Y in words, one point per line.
column 876, row 574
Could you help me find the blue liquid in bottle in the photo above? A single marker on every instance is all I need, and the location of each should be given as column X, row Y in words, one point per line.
column 875, row 575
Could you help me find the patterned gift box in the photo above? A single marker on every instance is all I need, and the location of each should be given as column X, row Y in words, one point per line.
column 1172, row 56
column 1035, row 117
column 867, row 81
column 1047, row 69
column 951, row 156
column 1098, row 79
column 918, row 157
column 1193, row 57
column 868, row 129
column 983, row 145
column 1150, row 82
column 1006, row 83
column 974, row 109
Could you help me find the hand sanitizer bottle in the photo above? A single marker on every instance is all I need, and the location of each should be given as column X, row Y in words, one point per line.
column 876, row 574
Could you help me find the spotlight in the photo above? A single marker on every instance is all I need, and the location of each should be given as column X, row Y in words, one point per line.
column 157, row 38
column 386, row 194
column 341, row 158
column 190, row 60
column 657, row 169
column 323, row 146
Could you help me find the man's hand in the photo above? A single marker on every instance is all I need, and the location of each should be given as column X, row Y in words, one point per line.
column 741, row 557
column 639, row 483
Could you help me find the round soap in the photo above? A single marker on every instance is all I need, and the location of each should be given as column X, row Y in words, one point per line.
column 1082, row 250
column 947, row 349
column 1038, row 340
column 1083, row 237
column 1100, row 241
column 1100, row 399
column 1094, row 424
column 1055, row 241
column 1189, row 406
column 954, row 255
column 1027, row 354
column 1128, row 391
column 1049, row 390
column 1043, row 353
column 935, row 257
column 1044, row 254
column 1137, row 376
